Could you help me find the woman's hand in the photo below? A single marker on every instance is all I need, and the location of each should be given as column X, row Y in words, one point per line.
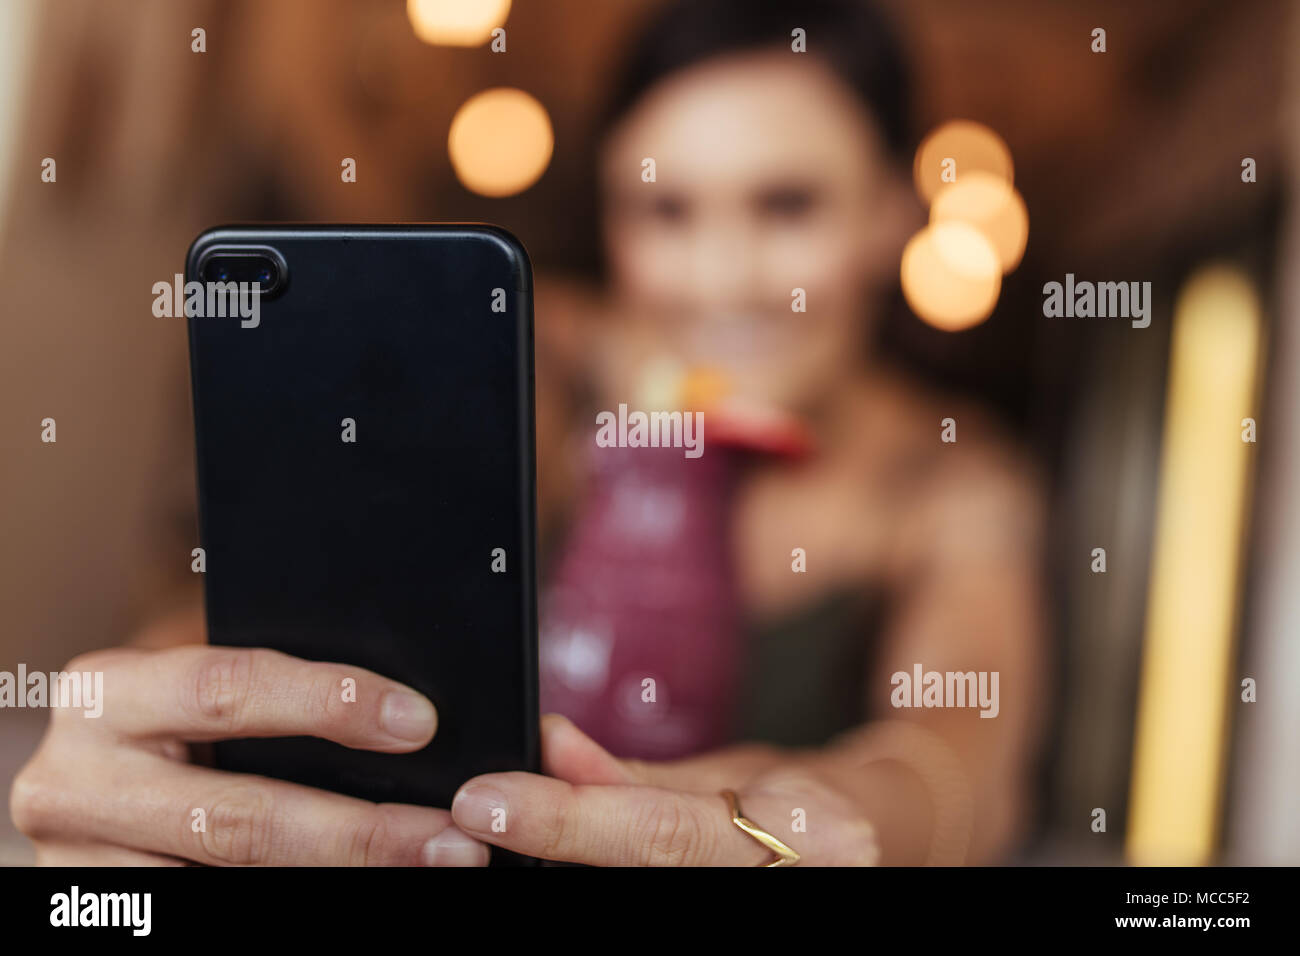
column 596, row 809
column 119, row 789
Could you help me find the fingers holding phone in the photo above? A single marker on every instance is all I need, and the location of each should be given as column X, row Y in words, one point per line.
column 118, row 789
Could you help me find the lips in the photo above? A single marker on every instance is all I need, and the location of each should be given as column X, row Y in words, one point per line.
column 726, row 339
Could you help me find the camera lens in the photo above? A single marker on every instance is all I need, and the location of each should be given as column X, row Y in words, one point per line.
column 245, row 264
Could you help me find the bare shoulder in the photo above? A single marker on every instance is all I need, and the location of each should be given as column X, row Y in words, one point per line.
column 956, row 481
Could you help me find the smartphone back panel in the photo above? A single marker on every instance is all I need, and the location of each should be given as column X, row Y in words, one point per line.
column 366, row 485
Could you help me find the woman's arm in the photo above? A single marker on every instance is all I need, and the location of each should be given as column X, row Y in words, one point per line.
column 970, row 601
column 967, row 597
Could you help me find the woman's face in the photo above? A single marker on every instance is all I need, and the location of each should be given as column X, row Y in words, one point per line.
column 769, row 177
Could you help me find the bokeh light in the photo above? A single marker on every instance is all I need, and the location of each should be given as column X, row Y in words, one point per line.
column 456, row 22
column 1196, row 565
column 991, row 205
column 500, row 142
column 973, row 147
column 951, row 275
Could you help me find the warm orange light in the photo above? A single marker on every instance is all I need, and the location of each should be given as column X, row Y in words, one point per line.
column 951, row 275
column 956, row 149
column 456, row 22
column 992, row 206
column 500, row 142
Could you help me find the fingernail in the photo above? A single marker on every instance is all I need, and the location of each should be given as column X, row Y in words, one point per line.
column 453, row 848
column 407, row 715
column 480, row 808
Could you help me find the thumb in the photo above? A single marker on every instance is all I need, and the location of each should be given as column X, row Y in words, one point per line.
column 570, row 755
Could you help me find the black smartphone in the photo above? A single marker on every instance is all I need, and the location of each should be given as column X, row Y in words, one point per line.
column 363, row 410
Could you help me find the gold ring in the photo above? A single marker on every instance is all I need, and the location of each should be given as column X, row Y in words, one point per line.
column 784, row 855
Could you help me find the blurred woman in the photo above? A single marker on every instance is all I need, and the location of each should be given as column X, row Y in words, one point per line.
column 826, row 538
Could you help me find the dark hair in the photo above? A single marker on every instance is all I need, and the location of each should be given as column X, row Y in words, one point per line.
column 850, row 36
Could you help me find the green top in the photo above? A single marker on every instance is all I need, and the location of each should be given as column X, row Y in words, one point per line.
column 805, row 673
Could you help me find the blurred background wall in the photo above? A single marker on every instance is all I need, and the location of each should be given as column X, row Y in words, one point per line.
column 1129, row 163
